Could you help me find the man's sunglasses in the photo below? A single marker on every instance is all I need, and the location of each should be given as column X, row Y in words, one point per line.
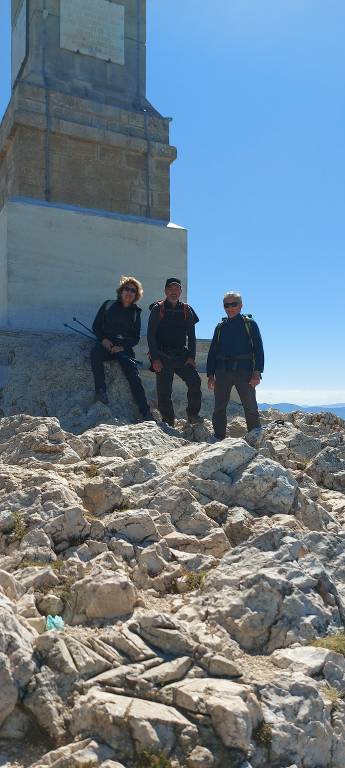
column 129, row 289
column 228, row 304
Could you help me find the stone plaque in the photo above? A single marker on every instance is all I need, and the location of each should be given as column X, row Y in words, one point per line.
column 19, row 42
column 93, row 27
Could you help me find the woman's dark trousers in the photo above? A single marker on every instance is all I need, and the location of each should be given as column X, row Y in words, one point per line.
column 99, row 356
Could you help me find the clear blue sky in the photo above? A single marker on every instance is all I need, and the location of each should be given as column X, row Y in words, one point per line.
column 256, row 89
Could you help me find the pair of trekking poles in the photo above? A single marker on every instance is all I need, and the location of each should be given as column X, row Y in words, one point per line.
column 92, row 336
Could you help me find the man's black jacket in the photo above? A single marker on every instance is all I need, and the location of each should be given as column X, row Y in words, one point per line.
column 118, row 323
column 231, row 340
column 168, row 334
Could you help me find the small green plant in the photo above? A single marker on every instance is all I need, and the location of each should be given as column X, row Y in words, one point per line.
column 332, row 642
column 148, row 759
column 262, row 734
column 64, row 590
column 92, row 470
column 332, row 694
column 192, row 581
column 55, row 565
column 20, row 527
column 195, row 580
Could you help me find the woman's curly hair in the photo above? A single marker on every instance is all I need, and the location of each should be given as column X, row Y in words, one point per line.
column 132, row 281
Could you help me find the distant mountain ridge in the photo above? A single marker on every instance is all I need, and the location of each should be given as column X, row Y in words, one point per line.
column 338, row 408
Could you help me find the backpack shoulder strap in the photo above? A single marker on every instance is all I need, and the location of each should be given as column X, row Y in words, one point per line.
column 161, row 305
column 219, row 329
column 109, row 304
column 185, row 308
column 247, row 319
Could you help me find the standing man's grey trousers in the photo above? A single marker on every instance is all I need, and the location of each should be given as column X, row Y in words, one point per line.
column 225, row 381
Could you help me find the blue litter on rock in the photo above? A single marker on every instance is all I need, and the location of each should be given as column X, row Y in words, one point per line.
column 55, row 622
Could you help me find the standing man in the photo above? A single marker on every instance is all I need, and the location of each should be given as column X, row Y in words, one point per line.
column 117, row 327
column 235, row 358
column 171, row 323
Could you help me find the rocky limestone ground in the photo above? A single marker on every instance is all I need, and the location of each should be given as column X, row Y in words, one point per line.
column 202, row 586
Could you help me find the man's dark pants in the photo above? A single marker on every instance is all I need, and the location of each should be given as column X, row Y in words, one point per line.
column 189, row 375
column 99, row 355
column 225, row 380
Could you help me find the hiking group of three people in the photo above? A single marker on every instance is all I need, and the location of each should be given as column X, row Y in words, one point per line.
column 235, row 358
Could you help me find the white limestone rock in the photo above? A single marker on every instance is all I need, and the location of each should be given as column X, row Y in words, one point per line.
column 328, row 468
column 300, row 722
column 83, row 753
column 233, row 708
column 104, row 596
column 223, row 458
column 102, row 495
column 267, row 595
column 8, row 689
column 127, row 724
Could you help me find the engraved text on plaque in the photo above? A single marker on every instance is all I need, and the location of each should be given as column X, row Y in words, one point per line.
column 93, row 27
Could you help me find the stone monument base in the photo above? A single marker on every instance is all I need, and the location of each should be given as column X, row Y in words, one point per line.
column 57, row 261
column 49, row 374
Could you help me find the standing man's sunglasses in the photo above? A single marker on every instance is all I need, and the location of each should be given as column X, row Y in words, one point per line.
column 129, row 288
column 228, row 304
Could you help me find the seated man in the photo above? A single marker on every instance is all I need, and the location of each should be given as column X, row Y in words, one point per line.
column 235, row 358
column 117, row 326
column 171, row 323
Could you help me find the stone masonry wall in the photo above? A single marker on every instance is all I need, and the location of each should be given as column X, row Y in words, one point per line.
column 70, row 150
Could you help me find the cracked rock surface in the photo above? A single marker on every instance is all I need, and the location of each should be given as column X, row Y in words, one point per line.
column 202, row 588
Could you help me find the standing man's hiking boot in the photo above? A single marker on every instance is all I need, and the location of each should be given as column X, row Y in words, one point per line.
column 255, row 437
column 101, row 396
column 195, row 419
column 148, row 416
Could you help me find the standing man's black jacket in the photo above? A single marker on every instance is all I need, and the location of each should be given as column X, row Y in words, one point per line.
column 168, row 334
column 118, row 323
column 231, row 347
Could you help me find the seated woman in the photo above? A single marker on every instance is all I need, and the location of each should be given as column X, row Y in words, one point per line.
column 117, row 327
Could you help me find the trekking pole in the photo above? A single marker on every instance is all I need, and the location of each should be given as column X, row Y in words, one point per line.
column 75, row 320
column 80, row 332
column 138, row 363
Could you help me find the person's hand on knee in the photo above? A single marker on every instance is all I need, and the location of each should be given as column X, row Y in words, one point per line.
column 115, row 349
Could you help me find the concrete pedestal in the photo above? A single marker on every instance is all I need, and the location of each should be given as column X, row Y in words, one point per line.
column 58, row 261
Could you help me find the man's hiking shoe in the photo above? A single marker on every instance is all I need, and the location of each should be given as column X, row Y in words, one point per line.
column 195, row 419
column 168, row 423
column 255, row 437
column 101, row 397
column 148, row 416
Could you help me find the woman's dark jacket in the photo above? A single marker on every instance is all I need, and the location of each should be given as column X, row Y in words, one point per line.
column 118, row 323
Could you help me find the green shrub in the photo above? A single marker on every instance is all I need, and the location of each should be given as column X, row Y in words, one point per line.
column 332, row 642
column 148, row 759
column 20, row 527
column 262, row 734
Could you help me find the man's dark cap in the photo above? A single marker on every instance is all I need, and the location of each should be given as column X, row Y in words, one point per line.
column 173, row 280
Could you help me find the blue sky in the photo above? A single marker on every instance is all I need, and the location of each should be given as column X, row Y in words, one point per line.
column 256, row 89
